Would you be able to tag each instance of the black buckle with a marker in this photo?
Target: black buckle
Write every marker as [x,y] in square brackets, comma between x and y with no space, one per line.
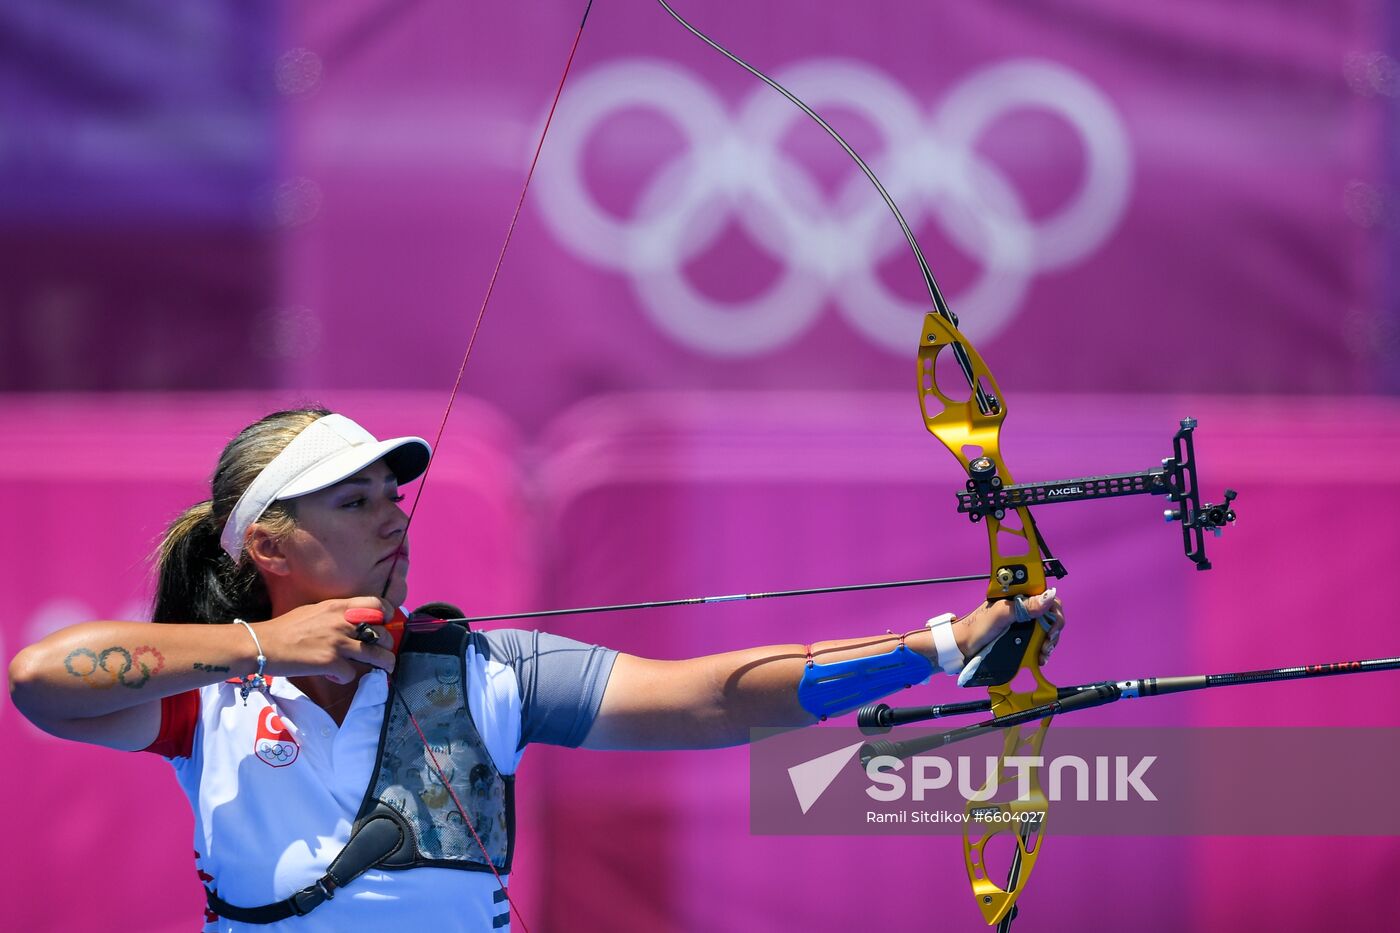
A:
[312,896]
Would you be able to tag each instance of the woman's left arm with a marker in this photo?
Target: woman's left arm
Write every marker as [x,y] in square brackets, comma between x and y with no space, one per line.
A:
[714,701]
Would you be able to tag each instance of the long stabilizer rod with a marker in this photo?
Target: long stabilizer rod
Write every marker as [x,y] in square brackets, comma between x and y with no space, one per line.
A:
[881,718]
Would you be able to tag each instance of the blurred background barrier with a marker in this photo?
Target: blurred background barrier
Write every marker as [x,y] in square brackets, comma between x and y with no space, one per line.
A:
[683,494]
[697,377]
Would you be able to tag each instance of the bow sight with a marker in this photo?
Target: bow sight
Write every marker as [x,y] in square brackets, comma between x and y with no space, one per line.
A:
[987,496]
[1176,479]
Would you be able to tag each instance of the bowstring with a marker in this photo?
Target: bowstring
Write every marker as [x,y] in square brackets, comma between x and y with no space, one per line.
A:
[447,413]
[491,284]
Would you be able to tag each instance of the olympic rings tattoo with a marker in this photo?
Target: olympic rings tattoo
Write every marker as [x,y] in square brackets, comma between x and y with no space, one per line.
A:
[148,660]
[80,653]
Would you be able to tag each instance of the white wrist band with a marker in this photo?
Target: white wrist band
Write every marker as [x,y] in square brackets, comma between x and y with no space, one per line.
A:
[256,679]
[950,658]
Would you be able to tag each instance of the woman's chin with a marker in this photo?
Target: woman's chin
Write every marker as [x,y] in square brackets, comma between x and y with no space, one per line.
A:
[398,589]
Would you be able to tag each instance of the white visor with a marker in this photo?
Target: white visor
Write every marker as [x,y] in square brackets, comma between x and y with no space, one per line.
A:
[328,450]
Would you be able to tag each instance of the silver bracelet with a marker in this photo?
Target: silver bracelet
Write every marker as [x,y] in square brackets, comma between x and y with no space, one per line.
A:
[256,679]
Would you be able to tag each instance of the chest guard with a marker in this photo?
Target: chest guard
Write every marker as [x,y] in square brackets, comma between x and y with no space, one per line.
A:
[407,787]
[408,817]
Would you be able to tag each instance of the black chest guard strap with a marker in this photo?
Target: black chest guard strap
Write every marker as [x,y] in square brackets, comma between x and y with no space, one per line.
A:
[371,842]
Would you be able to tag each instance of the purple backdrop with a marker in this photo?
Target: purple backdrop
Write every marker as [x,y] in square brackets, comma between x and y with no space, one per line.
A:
[696,376]
[1199,197]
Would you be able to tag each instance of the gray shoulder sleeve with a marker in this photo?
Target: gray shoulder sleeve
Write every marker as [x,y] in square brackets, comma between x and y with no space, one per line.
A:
[561,682]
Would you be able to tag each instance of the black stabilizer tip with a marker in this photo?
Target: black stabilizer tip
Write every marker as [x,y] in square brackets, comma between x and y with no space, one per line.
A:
[872,750]
[874,719]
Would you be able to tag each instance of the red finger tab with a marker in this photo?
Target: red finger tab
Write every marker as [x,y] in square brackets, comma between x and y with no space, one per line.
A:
[359,616]
[396,627]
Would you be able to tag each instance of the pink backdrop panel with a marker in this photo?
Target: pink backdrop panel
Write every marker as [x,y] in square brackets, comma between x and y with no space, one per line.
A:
[674,494]
[1323,493]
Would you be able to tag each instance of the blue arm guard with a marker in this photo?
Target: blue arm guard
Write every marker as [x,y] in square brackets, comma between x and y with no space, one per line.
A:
[832,689]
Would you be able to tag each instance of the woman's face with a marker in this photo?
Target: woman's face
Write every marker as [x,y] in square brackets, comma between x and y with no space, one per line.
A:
[347,537]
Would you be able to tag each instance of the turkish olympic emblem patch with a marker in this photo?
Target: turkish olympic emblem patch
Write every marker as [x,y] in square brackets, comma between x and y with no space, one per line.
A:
[274,743]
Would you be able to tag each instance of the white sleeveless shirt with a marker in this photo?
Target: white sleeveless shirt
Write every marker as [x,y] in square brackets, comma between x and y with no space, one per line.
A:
[275,786]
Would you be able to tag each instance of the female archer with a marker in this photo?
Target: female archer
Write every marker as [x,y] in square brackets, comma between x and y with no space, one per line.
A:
[351,768]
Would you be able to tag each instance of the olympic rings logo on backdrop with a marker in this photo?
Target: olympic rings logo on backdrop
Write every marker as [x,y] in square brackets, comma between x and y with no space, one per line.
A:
[829,247]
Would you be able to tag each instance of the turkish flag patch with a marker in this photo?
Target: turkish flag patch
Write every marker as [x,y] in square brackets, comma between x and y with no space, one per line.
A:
[274,743]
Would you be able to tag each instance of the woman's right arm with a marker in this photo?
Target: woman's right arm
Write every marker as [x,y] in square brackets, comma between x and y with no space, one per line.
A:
[102,682]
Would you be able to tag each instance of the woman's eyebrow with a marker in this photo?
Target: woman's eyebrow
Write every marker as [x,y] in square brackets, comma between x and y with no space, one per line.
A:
[366,481]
